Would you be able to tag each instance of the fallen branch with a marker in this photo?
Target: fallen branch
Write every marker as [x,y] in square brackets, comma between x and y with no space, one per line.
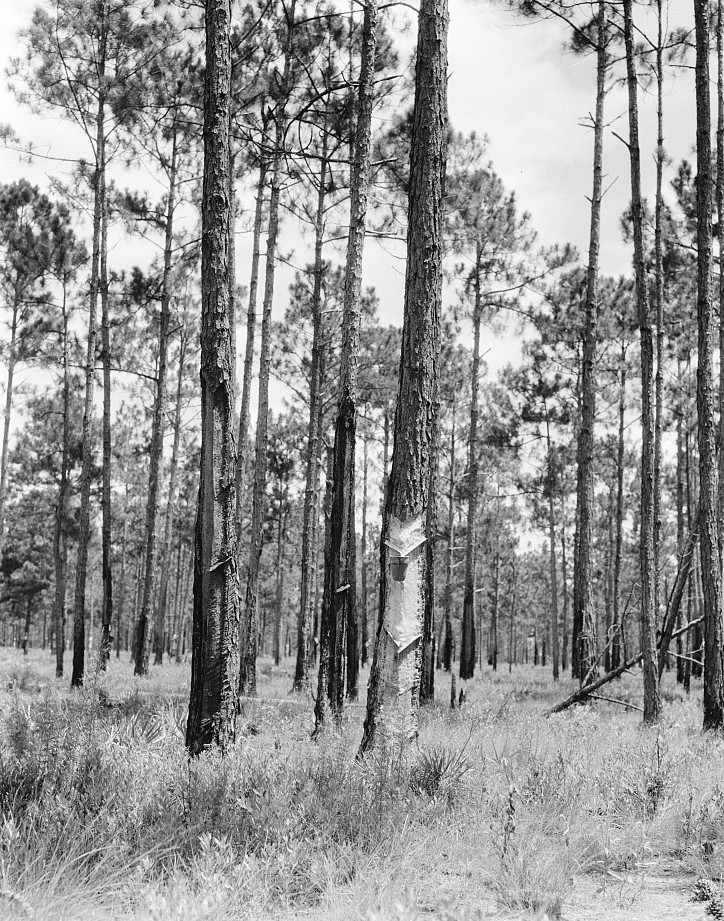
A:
[588,689]
[677,593]
[615,700]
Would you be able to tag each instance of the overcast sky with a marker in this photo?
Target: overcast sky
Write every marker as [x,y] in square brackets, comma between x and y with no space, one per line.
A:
[509,79]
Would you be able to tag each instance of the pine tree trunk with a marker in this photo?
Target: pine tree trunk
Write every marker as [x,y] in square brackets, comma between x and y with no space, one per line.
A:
[247,672]
[311,491]
[156,448]
[12,358]
[338,602]
[584,631]
[60,539]
[279,594]
[680,492]
[659,301]
[106,535]
[172,477]
[618,554]
[243,438]
[552,553]
[467,646]
[364,615]
[720,219]
[120,607]
[393,695]
[449,642]
[652,692]
[99,205]
[215,662]
[705,395]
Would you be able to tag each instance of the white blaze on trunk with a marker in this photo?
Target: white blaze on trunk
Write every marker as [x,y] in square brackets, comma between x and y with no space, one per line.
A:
[402,622]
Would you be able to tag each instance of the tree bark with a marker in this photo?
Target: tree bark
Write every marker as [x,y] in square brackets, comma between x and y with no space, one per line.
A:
[552,554]
[171,499]
[584,638]
[249,349]
[393,695]
[467,645]
[60,539]
[364,613]
[106,535]
[247,672]
[705,396]
[338,602]
[156,448]
[215,662]
[618,554]
[12,358]
[659,301]
[311,491]
[449,641]
[652,691]
[99,198]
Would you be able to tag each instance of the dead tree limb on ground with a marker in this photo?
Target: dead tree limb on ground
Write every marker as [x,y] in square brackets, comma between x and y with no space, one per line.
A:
[589,690]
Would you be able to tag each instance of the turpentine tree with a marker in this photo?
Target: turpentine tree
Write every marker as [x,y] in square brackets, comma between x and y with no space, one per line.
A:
[396,669]
[215,656]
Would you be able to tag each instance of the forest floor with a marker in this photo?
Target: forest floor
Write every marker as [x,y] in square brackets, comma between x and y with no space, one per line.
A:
[497,811]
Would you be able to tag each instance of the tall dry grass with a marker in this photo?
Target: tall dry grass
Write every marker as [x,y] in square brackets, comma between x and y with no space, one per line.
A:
[495,811]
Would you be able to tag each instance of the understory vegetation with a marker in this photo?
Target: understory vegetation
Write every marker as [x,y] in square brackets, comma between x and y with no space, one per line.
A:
[496,811]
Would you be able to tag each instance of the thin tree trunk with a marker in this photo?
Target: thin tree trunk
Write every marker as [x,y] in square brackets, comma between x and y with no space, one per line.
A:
[584,631]
[311,491]
[618,554]
[338,602]
[564,565]
[705,396]
[156,449]
[172,477]
[12,358]
[279,594]
[652,692]
[247,671]
[99,205]
[467,645]
[120,607]
[393,695]
[659,301]
[215,663]
[364,613]
[106,536]
[449,642]
[552,551]
[60,539]
[243,438]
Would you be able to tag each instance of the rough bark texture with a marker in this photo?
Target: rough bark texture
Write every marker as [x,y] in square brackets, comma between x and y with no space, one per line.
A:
[12,358]
[171,499]
[659,301]
[652,692]
[584,631]
[106,523]
[60,542]
[99,194]
[250,637]
[249,350]
[448,648]
[467,644]
[311,490]
[393,695]
[215,654]
[705,394]
[364,607]
[618,552]
[338,602]
[156,448]
[552,554]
